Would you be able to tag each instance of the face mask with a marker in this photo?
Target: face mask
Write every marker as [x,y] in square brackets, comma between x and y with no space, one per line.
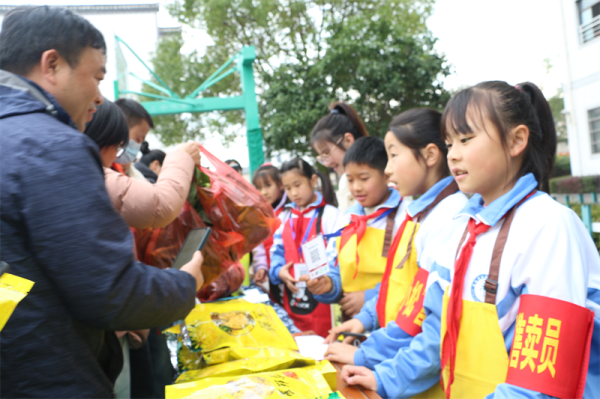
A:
[130,153]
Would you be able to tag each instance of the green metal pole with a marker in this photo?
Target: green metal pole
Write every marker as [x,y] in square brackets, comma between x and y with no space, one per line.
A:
[254,133]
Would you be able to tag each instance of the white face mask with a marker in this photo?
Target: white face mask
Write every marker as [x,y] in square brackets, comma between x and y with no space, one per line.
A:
[130,153]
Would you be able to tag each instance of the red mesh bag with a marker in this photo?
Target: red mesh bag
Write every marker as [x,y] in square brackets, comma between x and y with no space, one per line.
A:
[240,220]
[228,282]
[159,247]
[234,206]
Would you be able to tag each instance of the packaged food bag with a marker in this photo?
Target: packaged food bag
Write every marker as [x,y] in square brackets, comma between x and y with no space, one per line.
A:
[246,366]
[190,360]
[236,323]
[12,290]
[294,384]
[234,206]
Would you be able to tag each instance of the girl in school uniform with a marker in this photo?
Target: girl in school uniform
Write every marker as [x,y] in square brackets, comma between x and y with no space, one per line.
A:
[308,217]
[519,280]
[267,180]
[331,137]
[417,166]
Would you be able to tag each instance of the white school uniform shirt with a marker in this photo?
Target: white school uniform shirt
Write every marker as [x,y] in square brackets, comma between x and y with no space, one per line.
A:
[548,252]
[328,223]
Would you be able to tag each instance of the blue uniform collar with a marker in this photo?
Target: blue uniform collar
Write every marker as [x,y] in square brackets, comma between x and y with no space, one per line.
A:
[495,211]
[393,201]
[417,206]
[316,203]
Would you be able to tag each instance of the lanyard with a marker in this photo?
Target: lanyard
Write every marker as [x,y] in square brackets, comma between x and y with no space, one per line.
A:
[307,232]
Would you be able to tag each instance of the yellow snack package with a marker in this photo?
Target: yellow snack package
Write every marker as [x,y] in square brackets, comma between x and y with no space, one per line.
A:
[12,290]
[245,366]
[294,384]
[328,372]
[229,354]
[189,360]
[236,323]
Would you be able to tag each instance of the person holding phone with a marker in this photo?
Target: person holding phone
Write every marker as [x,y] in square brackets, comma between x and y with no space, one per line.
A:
[58,227]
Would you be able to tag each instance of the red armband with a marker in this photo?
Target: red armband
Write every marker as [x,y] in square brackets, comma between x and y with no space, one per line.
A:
[551,347]
[411,315]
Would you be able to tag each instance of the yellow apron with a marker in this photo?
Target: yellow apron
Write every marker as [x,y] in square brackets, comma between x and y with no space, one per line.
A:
[372,262]
[481,356]
[401,279]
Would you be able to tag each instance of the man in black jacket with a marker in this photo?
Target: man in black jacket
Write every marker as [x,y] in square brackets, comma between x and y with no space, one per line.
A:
[57,225]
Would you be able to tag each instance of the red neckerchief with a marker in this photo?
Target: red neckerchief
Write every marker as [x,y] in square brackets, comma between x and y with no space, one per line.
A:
[358,226]
[117,167]
[455,305]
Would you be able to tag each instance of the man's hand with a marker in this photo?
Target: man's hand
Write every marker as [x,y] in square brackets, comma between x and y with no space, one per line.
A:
[357,375]
[352,303]
[287,278]
[260,276]
[193,150]
[341,353]
[318,286]
[353,326]
[194,267]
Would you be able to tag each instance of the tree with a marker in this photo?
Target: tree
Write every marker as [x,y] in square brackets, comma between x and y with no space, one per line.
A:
[376,54]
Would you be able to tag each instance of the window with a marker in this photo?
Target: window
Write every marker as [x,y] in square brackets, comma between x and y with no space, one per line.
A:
[594,118]
[589,19]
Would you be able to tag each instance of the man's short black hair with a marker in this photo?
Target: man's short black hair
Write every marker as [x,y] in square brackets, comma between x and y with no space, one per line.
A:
[368,151]
[134,112]
[27,32]
[108,127]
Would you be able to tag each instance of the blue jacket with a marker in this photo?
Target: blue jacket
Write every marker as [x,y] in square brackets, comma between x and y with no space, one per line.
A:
[59,230]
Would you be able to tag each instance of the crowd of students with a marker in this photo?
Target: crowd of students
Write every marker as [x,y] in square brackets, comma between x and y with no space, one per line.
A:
[463,296]
[441,241]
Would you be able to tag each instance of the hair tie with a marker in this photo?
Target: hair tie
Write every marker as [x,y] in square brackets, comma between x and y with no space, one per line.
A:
[267,164]
[518,87]
[334,111]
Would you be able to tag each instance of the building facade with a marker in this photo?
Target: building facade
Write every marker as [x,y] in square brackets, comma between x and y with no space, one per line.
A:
[581,85]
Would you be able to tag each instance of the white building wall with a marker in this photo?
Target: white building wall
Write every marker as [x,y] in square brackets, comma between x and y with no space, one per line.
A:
[581,88]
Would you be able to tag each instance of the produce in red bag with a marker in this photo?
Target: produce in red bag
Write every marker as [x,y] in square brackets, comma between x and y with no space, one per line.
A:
[233,205]
[228,282]
[159,247]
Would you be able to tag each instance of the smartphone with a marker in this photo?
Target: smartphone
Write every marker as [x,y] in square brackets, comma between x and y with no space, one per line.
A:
[195,241]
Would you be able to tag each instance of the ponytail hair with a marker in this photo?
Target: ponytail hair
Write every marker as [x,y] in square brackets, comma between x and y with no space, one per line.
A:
[419,127]
[341,119]
[308,171]
[506,107]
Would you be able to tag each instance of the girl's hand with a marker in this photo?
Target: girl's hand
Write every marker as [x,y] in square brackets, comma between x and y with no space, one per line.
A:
[318,286]
[287,278]
[341,353]
[260,276]
[358,375]
[352,303]
[353,326]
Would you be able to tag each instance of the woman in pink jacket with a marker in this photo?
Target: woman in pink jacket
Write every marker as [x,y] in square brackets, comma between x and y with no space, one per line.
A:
[142,205]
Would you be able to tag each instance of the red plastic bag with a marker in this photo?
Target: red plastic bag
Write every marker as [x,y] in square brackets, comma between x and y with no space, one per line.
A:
[159,247]
[227,283]
[235,207]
